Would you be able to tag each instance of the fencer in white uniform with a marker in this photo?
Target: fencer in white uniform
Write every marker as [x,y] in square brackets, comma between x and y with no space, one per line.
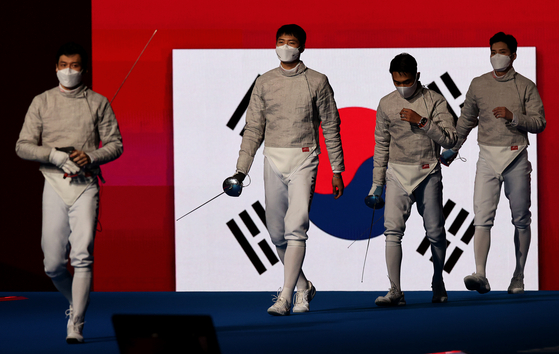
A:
[62,130]
[412,124]
[287,106]
[507,106]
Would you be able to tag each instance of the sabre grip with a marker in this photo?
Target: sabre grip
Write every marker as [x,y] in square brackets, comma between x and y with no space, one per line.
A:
[375,201]
[67,149]
[233,186]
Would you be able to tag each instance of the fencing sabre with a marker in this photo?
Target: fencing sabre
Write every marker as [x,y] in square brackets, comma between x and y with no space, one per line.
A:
[374,202]
[368,242]
[201,205]
[231,186]
[116,93]
[373,222]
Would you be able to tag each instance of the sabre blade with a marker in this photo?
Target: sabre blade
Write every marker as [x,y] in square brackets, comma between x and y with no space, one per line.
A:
[198,207]
[139,56]
[368,242]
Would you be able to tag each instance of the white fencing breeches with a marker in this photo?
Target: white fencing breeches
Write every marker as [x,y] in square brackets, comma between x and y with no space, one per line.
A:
[68,230]
[288,200]
[487,191]
[428,198]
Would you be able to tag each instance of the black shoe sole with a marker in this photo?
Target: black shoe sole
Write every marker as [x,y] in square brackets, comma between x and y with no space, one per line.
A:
[73,341]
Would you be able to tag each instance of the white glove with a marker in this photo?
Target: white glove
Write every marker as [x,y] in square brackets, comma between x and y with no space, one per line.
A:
[70,167]
[62,160]
[58,158]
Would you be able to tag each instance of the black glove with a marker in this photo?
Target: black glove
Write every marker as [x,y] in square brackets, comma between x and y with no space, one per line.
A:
[239,177]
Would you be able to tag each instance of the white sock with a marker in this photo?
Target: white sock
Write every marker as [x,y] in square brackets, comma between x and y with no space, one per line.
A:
[293,262]
[63,283]
[394,264]
[522,238]
[393,254]
[302,282]
[80,291]
[482,243]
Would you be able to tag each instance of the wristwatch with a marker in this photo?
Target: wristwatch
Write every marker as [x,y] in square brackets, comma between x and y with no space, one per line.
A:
[422,122]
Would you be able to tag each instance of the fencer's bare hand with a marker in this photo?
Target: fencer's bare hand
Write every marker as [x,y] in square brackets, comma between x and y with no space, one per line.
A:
[409,115]
[80,158]
[337,185]
[503,112]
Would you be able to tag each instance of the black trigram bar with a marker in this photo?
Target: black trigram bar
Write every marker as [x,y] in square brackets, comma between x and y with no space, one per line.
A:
[251,226]
[451,262]
[423,246]
[433,86]
[462,215]
[450,85]
[268,252]
[238,114]
[448,206]
[246,246]
[259,209]
[469,233]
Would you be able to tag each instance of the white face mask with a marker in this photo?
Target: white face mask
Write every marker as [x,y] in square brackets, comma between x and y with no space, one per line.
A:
[407,92]
[500,62]
[287,54]
[69,78]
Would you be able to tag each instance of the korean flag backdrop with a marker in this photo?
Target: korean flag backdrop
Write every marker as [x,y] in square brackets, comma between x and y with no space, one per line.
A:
[136,250]
[224,246]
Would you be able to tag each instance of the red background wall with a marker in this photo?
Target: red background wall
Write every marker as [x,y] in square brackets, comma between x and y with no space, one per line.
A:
[138,201]
[135,250]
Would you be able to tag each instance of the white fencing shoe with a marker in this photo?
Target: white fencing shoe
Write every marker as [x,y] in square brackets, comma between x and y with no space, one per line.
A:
[394,297]
[303,297]
[281,307]
[516,285]
[74,328]
[478,283]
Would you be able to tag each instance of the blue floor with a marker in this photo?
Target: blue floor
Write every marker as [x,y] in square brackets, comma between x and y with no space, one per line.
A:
[339,322]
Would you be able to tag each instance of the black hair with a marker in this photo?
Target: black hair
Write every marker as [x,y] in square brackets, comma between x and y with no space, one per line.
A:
[403,63]
[293,30]
[508,39]
[70,49]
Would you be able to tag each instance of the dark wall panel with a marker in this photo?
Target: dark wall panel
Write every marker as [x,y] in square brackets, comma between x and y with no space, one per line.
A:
[32,32]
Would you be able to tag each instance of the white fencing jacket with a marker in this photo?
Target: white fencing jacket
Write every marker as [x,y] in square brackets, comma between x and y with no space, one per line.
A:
[285,111]
[412,151]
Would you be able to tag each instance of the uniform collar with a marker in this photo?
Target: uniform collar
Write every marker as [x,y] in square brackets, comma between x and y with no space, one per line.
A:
[508,76]
[75,93]
[300,69]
